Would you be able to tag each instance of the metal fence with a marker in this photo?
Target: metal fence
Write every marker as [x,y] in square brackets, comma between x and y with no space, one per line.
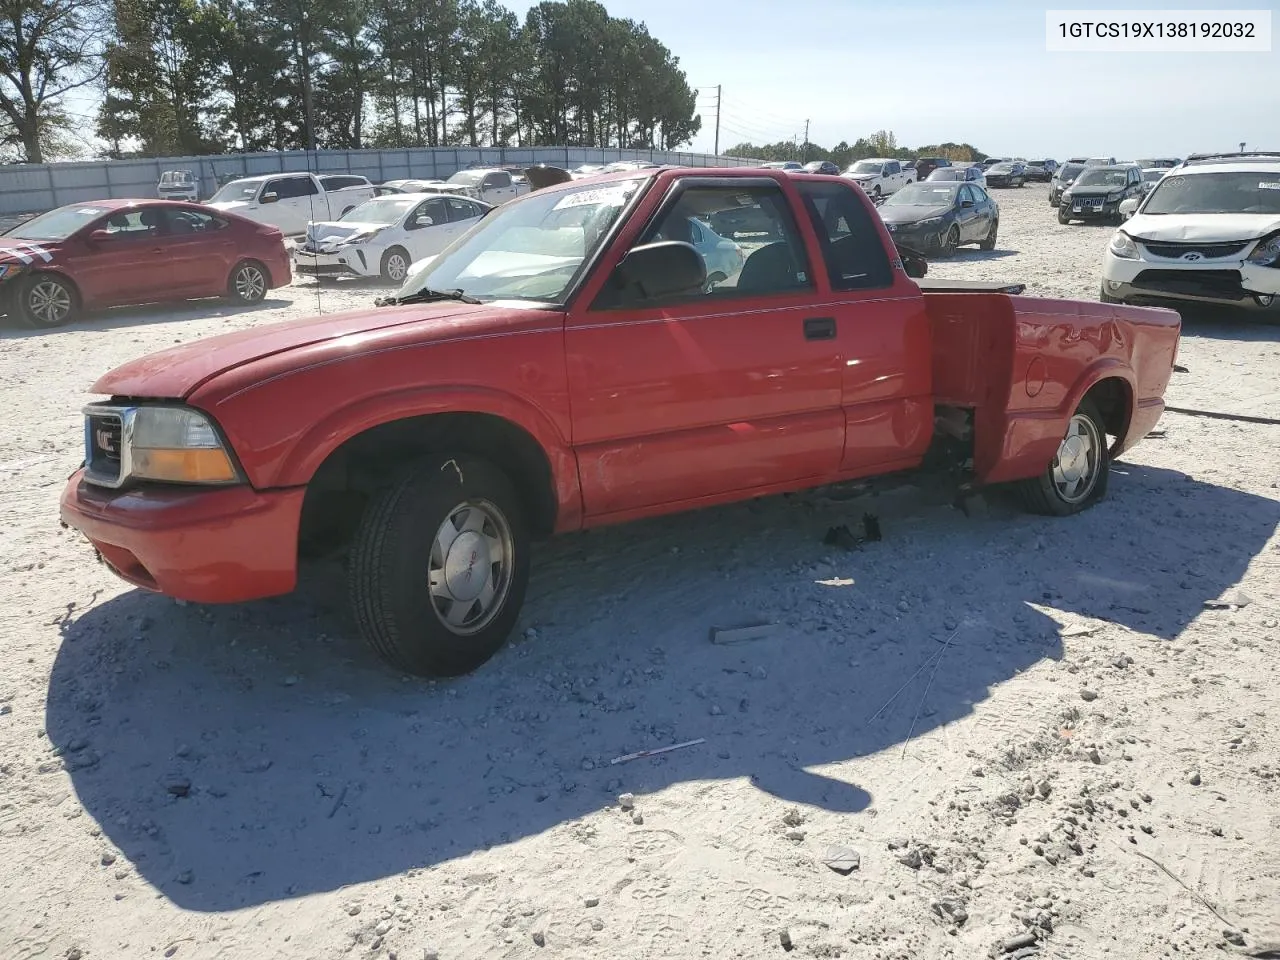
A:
[30,188]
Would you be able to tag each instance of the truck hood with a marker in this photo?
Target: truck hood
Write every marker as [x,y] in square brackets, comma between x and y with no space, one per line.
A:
[1201,227]
[177,372]
[229,204]
[26,252]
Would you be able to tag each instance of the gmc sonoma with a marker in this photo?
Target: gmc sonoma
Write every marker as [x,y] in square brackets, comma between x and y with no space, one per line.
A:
[567,363]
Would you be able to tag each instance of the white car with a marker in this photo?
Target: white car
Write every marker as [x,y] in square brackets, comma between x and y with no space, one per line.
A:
[1209,232]
[880,177]
[1150,177]
[382,237]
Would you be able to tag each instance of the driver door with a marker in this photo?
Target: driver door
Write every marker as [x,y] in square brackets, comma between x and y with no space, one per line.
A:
[733,388]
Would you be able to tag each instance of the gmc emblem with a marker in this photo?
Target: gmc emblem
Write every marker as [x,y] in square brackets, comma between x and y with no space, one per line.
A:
[104,440]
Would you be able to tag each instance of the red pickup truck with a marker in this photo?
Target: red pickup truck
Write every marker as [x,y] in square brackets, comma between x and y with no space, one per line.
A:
[571,361]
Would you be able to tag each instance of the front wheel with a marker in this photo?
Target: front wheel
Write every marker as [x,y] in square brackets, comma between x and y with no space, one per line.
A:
[951,242]
[46,300]
[439,567]
[1062,216]
[1077,477]
[395,265]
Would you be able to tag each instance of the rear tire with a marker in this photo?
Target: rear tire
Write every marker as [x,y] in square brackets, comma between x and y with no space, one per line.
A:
[990,242]
[439,567]
[45,300]
[248,283]
[1077,477]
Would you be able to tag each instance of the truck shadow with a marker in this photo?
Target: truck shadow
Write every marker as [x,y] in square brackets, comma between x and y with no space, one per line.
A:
[244,755]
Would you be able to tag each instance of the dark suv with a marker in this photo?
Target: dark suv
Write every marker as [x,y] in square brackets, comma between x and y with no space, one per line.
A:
[1063,178]
[926,166]
[1098,192]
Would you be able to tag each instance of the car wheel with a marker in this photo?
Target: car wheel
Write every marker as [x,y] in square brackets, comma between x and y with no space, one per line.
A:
[46,300]
[248,283]
[1062,216]
[1077,477]
[395,265]
[951,242]
[439,567]
[989,242]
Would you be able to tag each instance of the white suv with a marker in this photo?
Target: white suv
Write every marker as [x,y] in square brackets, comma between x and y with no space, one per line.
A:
[1208,231]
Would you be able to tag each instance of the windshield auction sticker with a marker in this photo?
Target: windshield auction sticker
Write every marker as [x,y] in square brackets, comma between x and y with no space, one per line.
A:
[1158,31]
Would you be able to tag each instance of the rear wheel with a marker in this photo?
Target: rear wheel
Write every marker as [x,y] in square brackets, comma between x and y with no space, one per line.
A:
[439,567]
[395,265]
[46,300]
[248,283]
[1077,477]
[989,242]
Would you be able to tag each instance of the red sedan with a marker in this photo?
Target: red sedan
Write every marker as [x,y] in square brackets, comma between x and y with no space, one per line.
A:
[113,252]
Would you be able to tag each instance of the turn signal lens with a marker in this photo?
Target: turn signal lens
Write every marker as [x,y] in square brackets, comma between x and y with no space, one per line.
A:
[183,466]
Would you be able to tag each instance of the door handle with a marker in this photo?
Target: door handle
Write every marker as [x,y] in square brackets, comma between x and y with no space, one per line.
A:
[820,328]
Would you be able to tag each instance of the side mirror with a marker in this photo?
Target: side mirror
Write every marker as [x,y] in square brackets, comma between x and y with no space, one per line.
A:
[655,271]
[101,236]
[966,203]
[269,198]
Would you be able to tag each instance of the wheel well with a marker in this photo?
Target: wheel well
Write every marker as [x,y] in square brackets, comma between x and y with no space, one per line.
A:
[339,490]
[1114,400]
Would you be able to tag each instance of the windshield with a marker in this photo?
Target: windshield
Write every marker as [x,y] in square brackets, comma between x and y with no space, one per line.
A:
[56,224]
[1151,176]
[531,249]
[927,194]
[1070,171]
[468,178]
[381,210]
[237,190]
[866,166]
[170,177]
[1096,177]
[945,173]
[1000,168]
[1248,192]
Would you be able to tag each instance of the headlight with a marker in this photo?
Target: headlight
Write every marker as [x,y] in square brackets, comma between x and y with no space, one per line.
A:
[8,270]
[931,222]
[1267,252]
[1113,197]
[1122,246]
[360,237]
[167,444]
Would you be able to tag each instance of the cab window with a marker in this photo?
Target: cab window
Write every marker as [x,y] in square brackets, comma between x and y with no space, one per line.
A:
[851,246]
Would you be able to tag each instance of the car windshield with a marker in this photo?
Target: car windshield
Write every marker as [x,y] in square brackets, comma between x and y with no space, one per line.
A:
[945,173]
[924,195]
[237,190]
[866,166]
[1001,168]
[1242,192]
[57,224]
[1070,171]
[531,249]
[1099,177]
[172,177]
[468,178]
[1151,176]
[382,210]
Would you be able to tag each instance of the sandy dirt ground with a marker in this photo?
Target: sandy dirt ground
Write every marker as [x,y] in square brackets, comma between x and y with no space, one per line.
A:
[1036,737]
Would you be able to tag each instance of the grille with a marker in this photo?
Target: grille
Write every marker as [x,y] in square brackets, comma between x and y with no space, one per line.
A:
[1210,251]
[104,435]
[1219,284]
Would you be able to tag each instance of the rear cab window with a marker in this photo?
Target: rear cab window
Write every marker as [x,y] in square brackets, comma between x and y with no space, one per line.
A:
[851,245]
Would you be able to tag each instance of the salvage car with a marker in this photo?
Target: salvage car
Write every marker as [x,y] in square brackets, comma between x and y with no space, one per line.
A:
[1098,192]
[381,237]
[178,185]
[1209,231]
[935,217]
[559,368]
[109,253]
[926,165]
[879,177]
[493,186]
[290,200]
[824,167]
[1041,171]
[973,174]
[1013,174]
[1065,176]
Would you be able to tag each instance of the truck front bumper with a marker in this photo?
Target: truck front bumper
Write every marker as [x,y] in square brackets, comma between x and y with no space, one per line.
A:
[202,544]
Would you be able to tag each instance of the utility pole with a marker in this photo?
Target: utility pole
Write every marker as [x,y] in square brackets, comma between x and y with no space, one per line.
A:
[717,148]
[806,142]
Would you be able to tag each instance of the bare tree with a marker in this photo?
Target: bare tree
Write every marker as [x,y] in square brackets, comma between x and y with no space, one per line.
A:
[47,49]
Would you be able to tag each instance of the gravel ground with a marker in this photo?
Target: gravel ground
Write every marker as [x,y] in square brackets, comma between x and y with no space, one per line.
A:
[1081,760]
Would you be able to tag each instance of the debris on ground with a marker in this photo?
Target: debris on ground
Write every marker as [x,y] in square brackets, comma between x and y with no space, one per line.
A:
[731,635]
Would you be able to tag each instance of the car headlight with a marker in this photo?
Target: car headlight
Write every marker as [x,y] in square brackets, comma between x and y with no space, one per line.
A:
[168,444]
[1122,246]
[1267,252]
[359,237]
[931,222]
[1113,197]
[8,270]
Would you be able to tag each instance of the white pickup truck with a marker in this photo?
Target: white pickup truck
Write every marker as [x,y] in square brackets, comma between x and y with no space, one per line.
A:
[880,176]
[491,185]
[291,200]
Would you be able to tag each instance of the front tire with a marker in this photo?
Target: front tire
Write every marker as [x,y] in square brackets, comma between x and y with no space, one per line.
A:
[1062,216]
[248,283]
[439,567]
[952,241]
[1077,477]
[395,265]
[46,300]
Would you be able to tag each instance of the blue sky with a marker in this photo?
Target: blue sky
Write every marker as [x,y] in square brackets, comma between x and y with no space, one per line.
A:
[974,72]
